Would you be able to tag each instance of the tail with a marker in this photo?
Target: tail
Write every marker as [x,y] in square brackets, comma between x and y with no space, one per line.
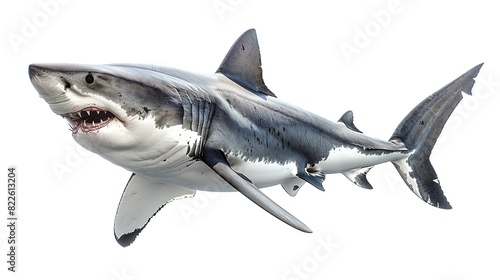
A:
[419,131]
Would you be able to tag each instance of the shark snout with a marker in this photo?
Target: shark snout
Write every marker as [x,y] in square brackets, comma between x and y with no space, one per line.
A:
[34,70]
[38,71]
[40,77]
[51,85]
[47,79]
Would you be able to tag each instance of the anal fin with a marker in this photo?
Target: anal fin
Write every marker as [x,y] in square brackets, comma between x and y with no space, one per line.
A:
[358,177]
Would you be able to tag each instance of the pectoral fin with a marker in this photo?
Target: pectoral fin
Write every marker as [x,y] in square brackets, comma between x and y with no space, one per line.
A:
[217,161]
[140,201]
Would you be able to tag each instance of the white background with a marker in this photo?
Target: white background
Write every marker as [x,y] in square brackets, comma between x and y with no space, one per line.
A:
[402,51]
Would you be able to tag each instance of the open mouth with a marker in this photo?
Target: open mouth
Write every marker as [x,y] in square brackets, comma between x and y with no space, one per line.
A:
[88,119]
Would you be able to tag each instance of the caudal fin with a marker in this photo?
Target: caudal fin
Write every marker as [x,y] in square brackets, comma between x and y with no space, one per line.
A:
[419,131]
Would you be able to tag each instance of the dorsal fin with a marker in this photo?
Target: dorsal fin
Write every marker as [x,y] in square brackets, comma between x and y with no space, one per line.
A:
[242,64]
[348,120]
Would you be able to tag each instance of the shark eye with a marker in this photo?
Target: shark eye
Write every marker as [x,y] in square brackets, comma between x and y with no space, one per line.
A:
[89,78]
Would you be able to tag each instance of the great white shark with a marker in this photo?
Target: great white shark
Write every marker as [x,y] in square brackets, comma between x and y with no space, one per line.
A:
[178,132]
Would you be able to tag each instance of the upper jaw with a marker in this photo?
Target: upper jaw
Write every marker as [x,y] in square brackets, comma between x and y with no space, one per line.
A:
[68,101]
[88,119]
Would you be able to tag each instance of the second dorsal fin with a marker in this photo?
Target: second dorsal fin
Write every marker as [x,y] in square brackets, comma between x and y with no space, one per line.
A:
[242,64]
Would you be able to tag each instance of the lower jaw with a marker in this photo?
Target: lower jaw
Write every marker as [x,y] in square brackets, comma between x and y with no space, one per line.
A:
[90,128]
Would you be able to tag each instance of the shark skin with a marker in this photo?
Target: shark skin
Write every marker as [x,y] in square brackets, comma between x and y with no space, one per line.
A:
[178,132]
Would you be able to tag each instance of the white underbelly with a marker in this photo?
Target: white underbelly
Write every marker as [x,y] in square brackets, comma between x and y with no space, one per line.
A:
[264,174]
[197,175]
[340,160]
[343,159]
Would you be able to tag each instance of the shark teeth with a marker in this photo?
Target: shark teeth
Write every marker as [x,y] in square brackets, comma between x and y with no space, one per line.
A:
[88,119]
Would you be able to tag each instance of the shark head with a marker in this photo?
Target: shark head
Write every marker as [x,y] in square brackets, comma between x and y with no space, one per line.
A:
[170,127]
[109,109]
